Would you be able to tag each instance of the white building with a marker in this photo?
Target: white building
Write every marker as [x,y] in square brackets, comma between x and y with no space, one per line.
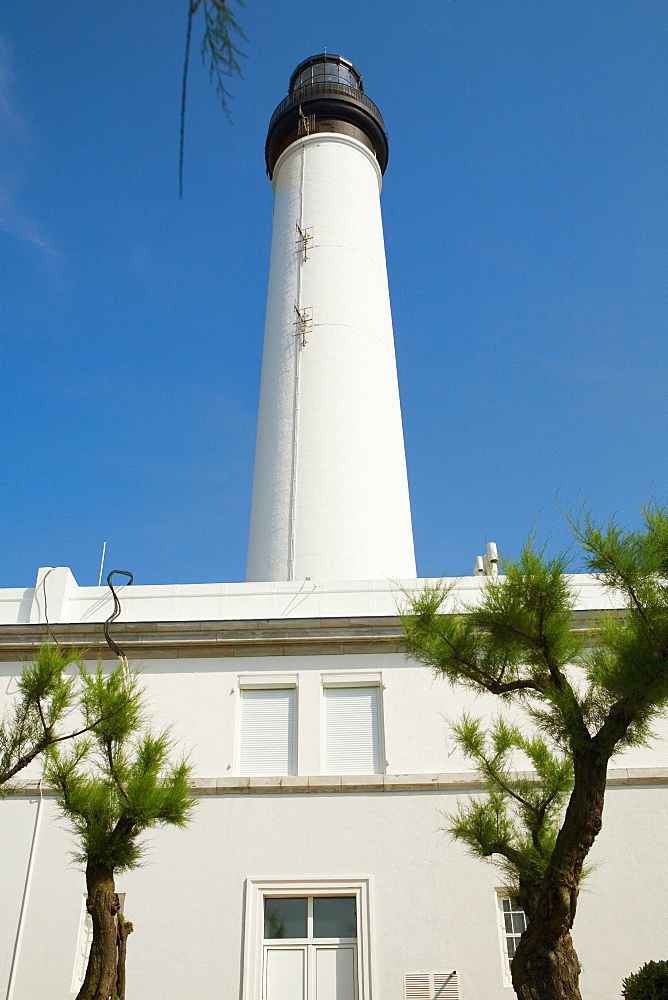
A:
[315,867]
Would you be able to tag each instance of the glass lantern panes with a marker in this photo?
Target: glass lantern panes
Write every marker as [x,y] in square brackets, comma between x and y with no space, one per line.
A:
[345,76]
[326,72]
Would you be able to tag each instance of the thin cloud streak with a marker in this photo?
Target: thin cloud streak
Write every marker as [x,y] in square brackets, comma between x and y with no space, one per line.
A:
[15,223]
[13,220]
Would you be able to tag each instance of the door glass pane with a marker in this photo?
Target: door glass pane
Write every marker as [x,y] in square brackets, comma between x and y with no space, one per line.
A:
[334,917]
[285,917]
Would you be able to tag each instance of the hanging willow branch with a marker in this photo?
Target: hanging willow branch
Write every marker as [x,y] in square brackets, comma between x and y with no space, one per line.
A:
[218,50]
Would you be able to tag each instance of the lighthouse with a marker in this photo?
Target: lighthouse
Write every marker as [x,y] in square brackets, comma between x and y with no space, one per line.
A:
[330,490]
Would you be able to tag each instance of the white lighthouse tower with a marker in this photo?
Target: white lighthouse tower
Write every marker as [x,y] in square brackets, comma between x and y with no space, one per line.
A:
[330,491]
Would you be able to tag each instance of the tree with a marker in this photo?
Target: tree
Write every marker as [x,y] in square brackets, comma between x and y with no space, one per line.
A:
[113,785]
[649,983]
[44,697]
[584,705]
[218,49]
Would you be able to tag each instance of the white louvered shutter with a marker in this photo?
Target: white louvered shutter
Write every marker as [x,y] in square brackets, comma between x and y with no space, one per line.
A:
[268,731]
[431,986]
[445,986]
[417,986]
[353,731]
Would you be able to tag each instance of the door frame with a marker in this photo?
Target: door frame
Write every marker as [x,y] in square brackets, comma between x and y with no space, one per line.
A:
[253,938]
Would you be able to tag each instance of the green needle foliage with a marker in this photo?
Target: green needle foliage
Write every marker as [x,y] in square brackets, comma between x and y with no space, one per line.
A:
[649,983]
[586,698]
[35,720]
[219,52]
[517,824]
[218,47]
[113,785]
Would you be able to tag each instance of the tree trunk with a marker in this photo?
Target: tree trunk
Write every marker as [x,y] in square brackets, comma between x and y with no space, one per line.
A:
[123,929]
[545,965]
[102,904]
[544,972]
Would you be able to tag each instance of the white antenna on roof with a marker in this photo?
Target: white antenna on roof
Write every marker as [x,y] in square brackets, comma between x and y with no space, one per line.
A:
[104,549]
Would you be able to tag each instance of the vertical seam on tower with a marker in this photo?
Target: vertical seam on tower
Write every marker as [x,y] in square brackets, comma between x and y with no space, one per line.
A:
[295,403]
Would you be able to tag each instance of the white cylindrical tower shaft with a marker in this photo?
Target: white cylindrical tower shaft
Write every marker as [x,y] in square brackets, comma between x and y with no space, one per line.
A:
[330,493]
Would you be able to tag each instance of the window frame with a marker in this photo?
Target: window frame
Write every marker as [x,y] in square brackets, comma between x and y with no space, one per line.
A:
[312,937]
[266,682]
[256,890]
[500,895]
[366,679]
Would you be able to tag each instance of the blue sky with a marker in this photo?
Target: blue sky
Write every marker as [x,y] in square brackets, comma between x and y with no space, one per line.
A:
[525,208]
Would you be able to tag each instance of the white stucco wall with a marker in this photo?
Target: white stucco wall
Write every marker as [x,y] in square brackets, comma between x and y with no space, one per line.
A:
[66,601]
[200,698]
[433,908]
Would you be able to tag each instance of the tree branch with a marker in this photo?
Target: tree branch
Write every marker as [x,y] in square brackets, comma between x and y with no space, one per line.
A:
[48,740]
[112,771]
[79,732]
[23,761]
[487,681]
[505,850]
[41,715]
[640,608]
[192,10]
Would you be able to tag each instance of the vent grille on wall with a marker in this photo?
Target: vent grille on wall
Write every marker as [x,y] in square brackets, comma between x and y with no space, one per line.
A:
[431,986]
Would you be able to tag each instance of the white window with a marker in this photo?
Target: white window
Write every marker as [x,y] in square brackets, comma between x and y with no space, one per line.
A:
[307,940]
[512,924]
[352,739]
[84,940]
[267,731]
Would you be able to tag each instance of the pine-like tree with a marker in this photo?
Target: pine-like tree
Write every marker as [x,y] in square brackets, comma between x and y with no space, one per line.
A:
[113,785]
[45,696]
[585,703]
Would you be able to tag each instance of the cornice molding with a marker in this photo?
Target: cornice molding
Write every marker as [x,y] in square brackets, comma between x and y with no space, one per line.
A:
[253,637]
[166,640]
[302,784]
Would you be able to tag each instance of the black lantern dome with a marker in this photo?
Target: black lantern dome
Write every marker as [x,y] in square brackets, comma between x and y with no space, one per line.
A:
[326,94]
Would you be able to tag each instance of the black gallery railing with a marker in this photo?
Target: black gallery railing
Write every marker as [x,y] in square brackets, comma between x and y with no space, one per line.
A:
[318,89]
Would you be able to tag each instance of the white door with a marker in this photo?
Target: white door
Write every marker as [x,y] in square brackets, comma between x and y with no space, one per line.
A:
[310,972]
[284,974]
[335,970]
